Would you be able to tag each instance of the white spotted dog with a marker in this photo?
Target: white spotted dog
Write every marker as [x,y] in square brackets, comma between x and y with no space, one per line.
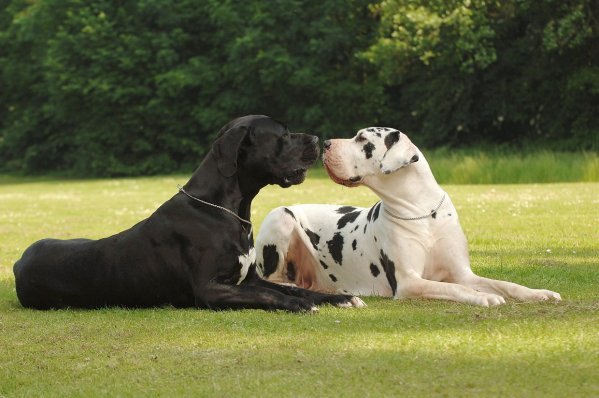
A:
[408,245]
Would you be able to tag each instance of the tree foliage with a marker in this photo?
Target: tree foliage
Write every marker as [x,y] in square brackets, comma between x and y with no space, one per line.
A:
[464,72]
[140,87]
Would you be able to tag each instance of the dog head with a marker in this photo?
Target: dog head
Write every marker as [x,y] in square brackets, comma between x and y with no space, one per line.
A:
[373,151]
[263,150]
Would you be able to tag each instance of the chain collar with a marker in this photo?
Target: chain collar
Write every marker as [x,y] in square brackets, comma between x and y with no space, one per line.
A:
[220,208]
[432,214]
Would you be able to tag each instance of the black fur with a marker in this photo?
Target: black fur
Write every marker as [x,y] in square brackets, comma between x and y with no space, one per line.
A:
[335,246]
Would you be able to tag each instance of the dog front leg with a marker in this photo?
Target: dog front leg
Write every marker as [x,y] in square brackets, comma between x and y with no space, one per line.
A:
[415,287]
[219,296]
[318,298]
[508,289]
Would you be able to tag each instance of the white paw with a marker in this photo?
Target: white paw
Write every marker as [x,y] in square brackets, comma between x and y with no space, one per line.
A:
[489,299]
[313,310]
[358,302]
[544,295]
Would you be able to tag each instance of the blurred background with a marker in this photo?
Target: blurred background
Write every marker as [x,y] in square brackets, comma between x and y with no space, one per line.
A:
[140,87]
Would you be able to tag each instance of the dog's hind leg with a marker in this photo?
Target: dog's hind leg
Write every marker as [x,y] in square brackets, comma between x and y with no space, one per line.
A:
[273,242]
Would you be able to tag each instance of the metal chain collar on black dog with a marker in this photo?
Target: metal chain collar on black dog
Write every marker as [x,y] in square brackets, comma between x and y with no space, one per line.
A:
[432,214]
[218,207]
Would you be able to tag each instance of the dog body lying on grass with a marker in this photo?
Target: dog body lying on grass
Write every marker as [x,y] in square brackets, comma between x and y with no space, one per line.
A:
[410,244]
[196,250]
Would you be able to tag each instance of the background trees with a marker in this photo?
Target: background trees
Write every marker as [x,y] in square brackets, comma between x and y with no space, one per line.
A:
[140,87]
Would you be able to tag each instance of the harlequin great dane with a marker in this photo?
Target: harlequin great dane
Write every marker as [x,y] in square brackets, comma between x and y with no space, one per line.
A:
[196,250]
[410,244]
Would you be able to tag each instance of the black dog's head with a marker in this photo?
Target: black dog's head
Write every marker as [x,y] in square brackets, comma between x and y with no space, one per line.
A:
[263,150]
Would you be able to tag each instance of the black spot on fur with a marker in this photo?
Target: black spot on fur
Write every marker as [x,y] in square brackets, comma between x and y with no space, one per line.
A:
[369,215]
[378,134]
[347,218]
[434,215]
[289,212]
[354,244]
[271,259]
[374,270]
[365,225]
[391,139]
[368,148]
[324,264]
[291,271]
[314,238]
[370,130]
[375,239]
[333,278]
[389,267]
[335,246]
[377,208]
[345,209]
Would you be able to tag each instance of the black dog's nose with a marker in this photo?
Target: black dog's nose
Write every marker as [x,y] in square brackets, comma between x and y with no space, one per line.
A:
[327,144]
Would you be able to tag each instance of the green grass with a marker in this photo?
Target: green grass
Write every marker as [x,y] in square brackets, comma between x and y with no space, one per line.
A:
[538,235]
[501,167]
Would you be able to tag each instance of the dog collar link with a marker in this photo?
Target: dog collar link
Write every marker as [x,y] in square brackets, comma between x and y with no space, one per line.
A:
[432,214]
[218,207]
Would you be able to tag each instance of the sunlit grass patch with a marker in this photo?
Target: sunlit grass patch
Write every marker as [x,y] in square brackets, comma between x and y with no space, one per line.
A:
[503,167]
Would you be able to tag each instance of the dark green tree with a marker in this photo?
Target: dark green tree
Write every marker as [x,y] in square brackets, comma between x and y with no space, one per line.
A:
[464,72]
[140,87]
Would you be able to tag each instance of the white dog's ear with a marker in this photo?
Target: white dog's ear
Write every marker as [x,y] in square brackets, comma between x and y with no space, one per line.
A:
[400,152]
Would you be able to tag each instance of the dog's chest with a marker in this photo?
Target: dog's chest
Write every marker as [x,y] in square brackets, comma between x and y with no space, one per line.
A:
[245,260]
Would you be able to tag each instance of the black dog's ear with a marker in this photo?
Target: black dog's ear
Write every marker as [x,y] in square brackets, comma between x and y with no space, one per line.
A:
[226,149]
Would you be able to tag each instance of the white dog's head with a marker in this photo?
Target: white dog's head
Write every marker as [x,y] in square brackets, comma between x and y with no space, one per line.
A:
[373,151]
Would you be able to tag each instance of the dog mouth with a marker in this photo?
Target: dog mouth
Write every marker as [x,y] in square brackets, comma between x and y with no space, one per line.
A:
[351,182]
[297,176]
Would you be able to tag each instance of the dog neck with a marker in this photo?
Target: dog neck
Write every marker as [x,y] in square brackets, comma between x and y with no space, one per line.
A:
[208,184]
[410,191]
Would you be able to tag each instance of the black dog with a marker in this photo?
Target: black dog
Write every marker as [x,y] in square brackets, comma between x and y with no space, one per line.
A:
[191,251]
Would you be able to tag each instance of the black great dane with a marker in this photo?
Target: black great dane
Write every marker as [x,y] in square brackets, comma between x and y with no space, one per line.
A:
[196,250]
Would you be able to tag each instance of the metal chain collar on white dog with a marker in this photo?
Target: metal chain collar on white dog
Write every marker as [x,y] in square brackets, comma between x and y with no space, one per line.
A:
[218,207]
[433,212]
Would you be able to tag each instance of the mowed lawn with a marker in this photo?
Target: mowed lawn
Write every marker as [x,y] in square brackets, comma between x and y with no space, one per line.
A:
[544,236]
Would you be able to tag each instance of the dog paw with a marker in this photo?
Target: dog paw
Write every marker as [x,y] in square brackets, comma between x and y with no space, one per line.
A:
[301,305]
[489,299]
[544,295]
[357,302]
[352,302]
